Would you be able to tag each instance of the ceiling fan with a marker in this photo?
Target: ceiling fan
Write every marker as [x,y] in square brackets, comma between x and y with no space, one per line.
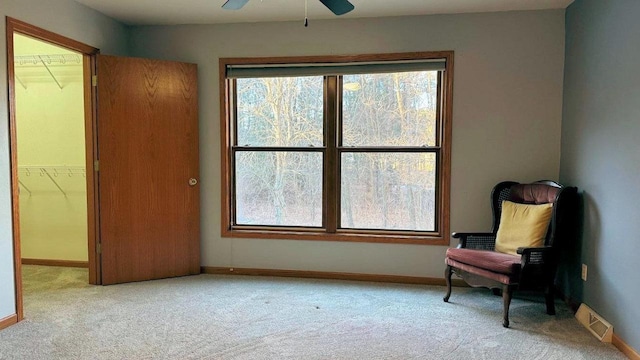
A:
[338,7]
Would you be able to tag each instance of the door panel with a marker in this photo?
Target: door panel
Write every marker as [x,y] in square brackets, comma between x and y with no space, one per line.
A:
[148,151]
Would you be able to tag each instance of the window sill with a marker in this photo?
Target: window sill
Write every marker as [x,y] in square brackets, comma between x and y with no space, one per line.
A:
[341,236]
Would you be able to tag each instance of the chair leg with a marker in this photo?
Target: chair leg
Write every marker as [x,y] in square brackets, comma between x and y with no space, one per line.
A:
[447,277]
[549,297]
[507,292]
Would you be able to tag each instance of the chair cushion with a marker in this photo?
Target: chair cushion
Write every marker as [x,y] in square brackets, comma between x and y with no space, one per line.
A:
[501,278]
[488,260]
[522,225]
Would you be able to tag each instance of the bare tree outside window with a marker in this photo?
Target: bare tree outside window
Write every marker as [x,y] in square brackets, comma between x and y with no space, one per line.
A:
[397,109]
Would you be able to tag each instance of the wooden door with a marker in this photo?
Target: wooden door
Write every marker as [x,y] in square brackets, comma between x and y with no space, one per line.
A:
[147,121]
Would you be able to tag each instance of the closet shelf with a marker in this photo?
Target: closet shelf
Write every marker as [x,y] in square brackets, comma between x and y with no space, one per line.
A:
[51,59]
[51,172]
[47,62]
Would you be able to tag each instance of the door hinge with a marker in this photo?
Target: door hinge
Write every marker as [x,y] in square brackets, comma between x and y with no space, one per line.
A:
[96,165]
[99,248]
[94,80]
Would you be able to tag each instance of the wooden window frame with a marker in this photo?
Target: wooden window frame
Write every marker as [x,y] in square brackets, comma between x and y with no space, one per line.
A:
[331,150]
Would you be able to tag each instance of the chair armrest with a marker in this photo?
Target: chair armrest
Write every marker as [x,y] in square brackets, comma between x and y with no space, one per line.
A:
[535,255]
[538,266]
[480,241]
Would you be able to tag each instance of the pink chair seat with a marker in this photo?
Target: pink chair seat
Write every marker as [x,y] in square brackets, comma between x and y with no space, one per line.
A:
[488,260]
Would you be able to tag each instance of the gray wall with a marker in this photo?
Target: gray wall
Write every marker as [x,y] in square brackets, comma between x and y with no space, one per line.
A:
[506,117]
[67,18]
[601,155]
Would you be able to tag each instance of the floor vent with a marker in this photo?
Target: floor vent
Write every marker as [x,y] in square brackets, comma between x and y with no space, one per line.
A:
[598,326]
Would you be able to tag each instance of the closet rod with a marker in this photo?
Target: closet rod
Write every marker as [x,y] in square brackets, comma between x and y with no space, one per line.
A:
[53,76]
[51,172]
[53,169]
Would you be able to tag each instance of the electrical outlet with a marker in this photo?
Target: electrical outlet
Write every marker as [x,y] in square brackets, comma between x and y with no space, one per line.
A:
[584,272]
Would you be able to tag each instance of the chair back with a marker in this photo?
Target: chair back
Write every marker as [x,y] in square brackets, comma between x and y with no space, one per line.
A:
[564,199]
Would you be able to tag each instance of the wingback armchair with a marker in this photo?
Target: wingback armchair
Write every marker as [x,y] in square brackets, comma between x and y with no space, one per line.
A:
[530,222]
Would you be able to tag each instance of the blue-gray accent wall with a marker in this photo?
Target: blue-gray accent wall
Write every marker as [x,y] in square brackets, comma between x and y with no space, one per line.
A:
[601,155]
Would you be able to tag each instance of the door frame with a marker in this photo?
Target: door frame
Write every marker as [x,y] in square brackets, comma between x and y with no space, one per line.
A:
[88,55]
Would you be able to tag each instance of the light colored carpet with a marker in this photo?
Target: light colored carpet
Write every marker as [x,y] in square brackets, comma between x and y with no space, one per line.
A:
[241,317]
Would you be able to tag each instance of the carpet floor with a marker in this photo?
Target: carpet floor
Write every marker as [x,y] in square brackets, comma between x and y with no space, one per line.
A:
[243,317]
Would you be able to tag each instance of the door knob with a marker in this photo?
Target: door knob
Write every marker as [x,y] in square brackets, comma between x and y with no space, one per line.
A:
[193,182]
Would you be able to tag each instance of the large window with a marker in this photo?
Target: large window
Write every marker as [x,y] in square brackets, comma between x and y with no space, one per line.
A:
[337,148]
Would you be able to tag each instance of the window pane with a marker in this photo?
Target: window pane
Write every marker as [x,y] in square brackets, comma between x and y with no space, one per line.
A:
[389,191]
[279,188]
[280,111]
[397,109]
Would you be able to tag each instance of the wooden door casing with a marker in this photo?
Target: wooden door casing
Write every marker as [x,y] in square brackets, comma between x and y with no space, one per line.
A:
[148,150]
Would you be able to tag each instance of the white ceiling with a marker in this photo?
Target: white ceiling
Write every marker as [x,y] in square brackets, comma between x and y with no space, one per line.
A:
[171,12]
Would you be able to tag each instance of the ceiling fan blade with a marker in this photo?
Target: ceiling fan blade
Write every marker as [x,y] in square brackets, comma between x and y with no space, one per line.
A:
[234,4]
[338,7]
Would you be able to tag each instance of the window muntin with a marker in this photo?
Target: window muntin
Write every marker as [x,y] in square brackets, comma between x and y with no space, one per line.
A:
[423,154]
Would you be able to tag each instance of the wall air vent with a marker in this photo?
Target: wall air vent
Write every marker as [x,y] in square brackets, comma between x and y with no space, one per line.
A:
[599,327]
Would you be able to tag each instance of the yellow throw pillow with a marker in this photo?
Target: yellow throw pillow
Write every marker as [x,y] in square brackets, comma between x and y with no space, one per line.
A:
[522,225]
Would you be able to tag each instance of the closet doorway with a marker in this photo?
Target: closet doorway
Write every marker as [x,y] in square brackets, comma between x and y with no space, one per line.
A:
[52,154]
